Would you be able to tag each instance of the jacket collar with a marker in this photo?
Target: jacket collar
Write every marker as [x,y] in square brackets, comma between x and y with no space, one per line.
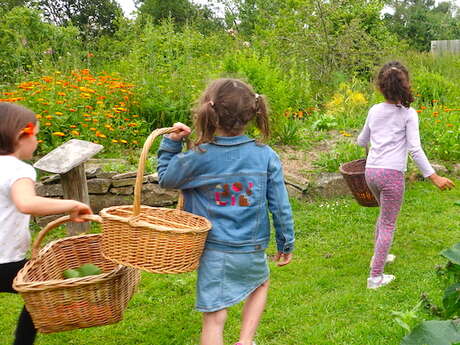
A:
[231,141]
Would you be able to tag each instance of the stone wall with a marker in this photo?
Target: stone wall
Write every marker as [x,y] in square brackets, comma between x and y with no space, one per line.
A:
[110,189]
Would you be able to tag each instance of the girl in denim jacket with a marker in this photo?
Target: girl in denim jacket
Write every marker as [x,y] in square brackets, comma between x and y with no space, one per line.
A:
[233,181]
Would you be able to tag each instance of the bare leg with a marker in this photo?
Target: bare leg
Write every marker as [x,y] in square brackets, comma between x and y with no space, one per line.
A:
[252,311]
[213,327]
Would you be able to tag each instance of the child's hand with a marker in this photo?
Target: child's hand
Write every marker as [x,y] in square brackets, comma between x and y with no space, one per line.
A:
[442,183]
[283,259]
[79,210]
[182,131]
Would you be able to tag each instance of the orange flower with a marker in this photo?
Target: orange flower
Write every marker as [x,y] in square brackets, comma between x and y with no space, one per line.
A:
[77,133]
[73,126]
[48,124]
[419,111]
[72,110]
[28,129]
[58,134]
[423,107]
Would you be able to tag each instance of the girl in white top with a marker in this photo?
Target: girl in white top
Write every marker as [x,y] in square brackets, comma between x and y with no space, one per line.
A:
[392,130]
[18,141]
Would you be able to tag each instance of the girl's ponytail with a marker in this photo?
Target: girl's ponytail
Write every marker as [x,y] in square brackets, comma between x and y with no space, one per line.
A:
[206,122]
[393,82]
[262,121]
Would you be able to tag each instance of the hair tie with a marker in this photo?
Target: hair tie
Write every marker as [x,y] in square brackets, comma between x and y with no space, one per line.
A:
[28,129]
[394,68]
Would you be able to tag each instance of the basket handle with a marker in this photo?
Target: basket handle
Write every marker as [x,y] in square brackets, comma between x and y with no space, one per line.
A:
[55,223]
[141,168]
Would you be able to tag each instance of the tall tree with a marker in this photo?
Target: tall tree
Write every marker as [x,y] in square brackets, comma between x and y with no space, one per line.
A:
[181,11]
[92,17]
[421,21]
[7,5]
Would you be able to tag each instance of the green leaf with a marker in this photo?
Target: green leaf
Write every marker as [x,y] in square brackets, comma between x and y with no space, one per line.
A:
[451,300]
[453,253]
[457,203]
[433,333]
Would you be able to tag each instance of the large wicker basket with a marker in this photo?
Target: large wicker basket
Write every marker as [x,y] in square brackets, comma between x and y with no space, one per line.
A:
[157,240]
[58,304]
[353,173]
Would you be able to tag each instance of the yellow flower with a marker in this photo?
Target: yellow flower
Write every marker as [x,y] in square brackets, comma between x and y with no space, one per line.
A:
[114,141]
[58,134]
[75,132]
[123,141]
[58,113]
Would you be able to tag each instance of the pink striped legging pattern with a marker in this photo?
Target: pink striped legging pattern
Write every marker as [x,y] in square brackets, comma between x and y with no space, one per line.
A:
[387,185]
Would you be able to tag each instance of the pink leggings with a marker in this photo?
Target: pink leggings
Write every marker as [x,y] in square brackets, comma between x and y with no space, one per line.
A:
[387,185]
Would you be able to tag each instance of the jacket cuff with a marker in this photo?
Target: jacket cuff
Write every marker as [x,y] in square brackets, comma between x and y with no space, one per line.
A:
[170,145]
[285,248]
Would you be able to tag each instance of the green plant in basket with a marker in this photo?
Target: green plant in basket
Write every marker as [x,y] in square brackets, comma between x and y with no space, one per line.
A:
[82,271]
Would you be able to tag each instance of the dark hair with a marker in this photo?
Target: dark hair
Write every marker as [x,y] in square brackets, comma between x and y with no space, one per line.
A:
[393,82]
[229,104]
[13,118]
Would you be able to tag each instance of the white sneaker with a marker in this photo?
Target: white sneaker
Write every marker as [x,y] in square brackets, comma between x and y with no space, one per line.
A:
[390,258]
[379,281]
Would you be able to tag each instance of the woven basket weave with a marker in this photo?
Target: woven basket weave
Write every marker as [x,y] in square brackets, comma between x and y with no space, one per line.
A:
[353,173]
[157,240]
[56,304]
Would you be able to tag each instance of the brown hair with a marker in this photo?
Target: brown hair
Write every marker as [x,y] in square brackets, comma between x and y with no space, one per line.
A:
[13,118]
[393,82]
[229,104]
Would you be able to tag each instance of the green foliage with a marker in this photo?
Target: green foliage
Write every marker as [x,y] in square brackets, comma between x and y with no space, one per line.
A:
[93,18]
[408,319]
[182,12]
[451,301]
[421,21]
[343,152]
[324,122]
[434,333]
[29,45]
[434,86]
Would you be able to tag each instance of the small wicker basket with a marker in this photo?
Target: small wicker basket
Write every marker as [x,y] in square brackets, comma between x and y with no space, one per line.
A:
[157,240]
[56,304]
[353,173]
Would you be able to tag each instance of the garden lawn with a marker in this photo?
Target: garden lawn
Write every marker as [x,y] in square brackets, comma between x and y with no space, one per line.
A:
[319,299]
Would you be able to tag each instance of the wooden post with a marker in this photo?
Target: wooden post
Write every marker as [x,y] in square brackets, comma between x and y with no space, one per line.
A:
[75,187]
[68,160]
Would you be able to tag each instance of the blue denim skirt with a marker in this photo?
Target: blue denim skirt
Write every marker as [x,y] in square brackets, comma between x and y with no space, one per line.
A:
[225,279]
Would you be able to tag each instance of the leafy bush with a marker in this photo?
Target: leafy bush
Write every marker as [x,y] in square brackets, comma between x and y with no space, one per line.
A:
[32,46]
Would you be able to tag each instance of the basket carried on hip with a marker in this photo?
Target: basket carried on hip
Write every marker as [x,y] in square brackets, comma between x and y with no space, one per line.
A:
[157,240]
[353,173]
[56,304]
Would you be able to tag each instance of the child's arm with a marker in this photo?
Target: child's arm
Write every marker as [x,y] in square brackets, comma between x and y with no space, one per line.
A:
[171,173]
[442,183]
[365,136]
[27,202]
[278,203]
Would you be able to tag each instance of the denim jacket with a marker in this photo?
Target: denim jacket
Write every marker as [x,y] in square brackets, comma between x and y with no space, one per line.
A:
[231,183]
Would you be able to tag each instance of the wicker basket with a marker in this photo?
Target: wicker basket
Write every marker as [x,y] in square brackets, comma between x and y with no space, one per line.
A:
[59,305]
[353,173]
[157,240]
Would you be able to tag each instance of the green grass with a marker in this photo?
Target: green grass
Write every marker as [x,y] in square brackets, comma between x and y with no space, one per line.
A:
[319,299]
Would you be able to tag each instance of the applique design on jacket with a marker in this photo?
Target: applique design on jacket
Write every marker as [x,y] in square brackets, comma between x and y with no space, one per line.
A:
[230,194]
